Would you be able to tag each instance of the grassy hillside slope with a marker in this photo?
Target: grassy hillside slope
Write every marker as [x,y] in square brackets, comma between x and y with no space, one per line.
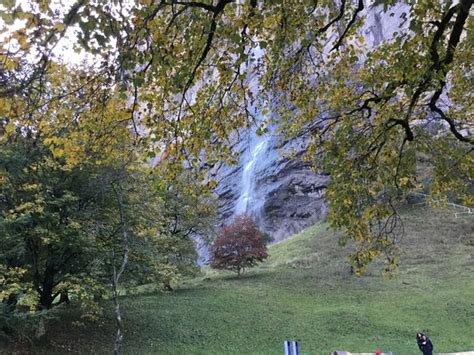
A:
[305,292]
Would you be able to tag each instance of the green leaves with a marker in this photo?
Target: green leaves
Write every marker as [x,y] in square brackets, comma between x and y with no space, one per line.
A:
[9,4]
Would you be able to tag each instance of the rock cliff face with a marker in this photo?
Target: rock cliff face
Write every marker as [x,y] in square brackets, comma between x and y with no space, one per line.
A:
[284,195]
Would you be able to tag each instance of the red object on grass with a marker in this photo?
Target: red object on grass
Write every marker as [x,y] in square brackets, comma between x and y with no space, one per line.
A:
[378,352]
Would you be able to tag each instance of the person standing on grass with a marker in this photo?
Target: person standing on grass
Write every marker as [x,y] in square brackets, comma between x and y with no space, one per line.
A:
[424,343]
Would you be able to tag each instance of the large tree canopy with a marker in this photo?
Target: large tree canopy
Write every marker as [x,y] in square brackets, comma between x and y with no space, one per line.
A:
[185,75]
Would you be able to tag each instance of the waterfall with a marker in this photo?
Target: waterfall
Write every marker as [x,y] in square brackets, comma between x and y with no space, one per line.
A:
[254,158]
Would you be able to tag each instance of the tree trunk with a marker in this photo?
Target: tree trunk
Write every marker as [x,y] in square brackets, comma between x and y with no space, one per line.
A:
[118,273]
[46,298]
[47,287]
[64,297]
[40,329]
[167,285]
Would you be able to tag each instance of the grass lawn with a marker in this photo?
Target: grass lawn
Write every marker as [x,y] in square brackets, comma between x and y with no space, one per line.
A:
[305,292]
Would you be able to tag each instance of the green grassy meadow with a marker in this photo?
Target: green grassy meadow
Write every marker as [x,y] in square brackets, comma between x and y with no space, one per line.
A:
[304,291]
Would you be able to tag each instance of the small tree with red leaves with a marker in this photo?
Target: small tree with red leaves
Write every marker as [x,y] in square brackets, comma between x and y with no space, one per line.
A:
[239,245]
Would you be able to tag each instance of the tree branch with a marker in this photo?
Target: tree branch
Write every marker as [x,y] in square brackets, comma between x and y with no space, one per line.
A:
[360,7]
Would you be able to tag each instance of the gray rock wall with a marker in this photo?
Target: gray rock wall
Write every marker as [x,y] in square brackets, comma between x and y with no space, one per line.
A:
[282,194]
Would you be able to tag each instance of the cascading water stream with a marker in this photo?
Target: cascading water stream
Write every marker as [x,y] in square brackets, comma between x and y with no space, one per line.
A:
[249,202]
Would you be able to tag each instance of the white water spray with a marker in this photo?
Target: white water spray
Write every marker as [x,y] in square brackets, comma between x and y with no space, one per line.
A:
[249,202]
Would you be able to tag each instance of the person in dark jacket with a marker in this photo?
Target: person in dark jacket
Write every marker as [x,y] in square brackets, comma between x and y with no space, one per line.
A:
[424,343]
